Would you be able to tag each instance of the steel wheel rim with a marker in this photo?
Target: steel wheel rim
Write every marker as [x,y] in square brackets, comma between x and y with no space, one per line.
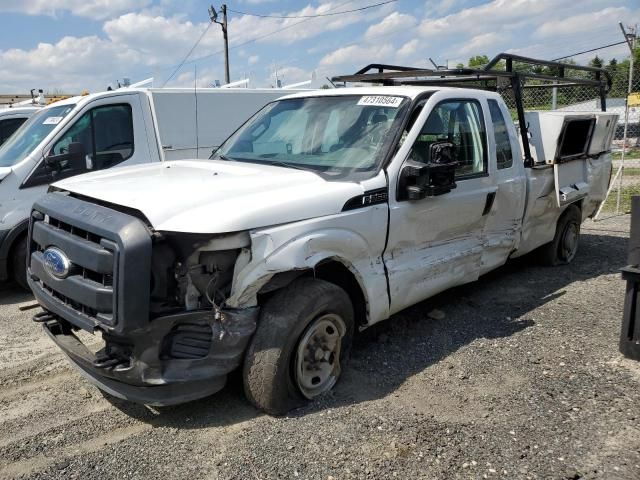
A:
[569,245]
[317,363]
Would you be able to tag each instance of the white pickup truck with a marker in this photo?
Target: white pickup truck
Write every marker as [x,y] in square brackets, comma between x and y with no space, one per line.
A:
[325,213]
[109,129]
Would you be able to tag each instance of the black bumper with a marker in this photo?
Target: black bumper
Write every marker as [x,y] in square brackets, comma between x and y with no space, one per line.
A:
[155,366]
[166,360]
[159,395]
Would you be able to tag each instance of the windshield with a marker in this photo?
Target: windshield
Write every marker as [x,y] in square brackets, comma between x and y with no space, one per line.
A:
[31,133]
[340,137]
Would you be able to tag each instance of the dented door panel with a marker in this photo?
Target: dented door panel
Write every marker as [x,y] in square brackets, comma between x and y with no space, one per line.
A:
[436,243]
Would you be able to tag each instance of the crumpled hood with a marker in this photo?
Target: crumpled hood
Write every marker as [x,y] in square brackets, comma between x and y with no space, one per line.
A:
[215,196]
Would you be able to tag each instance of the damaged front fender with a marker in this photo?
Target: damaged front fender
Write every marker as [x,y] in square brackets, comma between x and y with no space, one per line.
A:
[305,245]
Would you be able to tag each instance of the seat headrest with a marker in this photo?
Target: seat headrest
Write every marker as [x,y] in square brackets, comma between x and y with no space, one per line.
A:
[379,118]
[433,125]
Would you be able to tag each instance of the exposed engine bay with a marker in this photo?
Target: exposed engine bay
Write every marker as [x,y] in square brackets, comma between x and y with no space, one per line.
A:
[191,271]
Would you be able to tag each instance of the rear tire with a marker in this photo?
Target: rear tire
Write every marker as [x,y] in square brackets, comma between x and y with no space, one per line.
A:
[564,246]
[300,346]
[19,263]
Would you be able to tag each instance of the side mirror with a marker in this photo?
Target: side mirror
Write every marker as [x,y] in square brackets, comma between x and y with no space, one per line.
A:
[435,177]
[73,160]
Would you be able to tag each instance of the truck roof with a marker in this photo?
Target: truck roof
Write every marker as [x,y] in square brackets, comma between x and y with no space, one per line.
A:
[400,90]
[125,91]
[23,109]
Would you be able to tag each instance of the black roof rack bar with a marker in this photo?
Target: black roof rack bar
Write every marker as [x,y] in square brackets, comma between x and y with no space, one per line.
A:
[382,67]
[509,58]
[512,78]
[444,76]
[394,72]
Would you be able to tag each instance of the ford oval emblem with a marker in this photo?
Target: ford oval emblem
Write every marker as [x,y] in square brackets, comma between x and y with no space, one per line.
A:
[56,262]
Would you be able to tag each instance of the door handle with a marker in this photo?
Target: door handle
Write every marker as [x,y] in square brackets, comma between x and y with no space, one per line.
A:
[491,196]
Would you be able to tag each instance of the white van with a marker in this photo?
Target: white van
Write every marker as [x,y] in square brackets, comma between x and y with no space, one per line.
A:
[104,130]
[11,118]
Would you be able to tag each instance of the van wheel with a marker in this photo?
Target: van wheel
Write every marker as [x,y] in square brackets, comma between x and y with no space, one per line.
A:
[19,263]
[564,246]
[300,346]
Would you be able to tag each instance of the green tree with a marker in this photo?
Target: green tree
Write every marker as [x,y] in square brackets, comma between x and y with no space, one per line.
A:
[478,61]
[596,62]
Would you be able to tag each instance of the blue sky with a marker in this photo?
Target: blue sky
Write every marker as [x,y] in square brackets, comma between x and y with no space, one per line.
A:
[71,45]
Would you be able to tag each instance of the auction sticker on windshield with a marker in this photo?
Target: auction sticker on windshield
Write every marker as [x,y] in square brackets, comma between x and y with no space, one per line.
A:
[52,120]
[381,101]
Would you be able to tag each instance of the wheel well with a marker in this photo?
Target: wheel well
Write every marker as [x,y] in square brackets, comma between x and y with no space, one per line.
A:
[12,249]
[335,272]
[330,271]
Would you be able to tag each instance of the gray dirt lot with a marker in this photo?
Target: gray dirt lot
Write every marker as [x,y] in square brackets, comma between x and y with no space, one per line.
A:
[521,379]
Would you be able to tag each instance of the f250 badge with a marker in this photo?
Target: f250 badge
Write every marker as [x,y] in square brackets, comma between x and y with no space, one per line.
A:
[56,262]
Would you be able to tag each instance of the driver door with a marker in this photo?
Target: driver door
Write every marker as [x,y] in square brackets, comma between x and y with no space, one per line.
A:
[436,242]
[109,132]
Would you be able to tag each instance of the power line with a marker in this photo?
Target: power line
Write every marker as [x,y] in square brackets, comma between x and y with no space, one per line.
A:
[314,16]
[255,39]
[188,54]
[588,51]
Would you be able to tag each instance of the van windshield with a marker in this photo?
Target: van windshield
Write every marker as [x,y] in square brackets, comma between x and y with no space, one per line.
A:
[31,133]
[342,137]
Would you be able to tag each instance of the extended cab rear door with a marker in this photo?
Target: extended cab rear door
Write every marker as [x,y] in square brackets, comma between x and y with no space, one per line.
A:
[504,215]
[436,242]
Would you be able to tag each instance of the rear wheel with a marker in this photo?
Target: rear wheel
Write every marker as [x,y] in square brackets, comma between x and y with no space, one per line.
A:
[19,262]
[564,246]
[300,346]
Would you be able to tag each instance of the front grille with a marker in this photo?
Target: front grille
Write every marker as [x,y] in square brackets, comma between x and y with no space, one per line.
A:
[89,287]
[109,253]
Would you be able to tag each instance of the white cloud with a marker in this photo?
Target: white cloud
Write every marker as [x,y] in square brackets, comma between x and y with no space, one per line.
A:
[290,30]
[394,23]
[161,40]
[356,55]
[253,59]
[96,9]
[583,22]
[482,43]
[409,49]
[69,64]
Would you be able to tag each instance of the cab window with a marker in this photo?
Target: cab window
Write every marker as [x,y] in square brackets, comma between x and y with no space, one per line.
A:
[100,138]
[106,136]
[8,126]
[459,122]
[504,154]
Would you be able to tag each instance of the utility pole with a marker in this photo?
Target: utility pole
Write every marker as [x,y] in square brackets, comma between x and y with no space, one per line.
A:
[631,41]
[213,15]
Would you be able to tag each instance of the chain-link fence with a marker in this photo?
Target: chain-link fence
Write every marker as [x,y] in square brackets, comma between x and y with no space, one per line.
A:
[625,181]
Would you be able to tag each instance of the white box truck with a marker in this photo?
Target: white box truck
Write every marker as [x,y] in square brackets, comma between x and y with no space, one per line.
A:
[325,213]
[103,130]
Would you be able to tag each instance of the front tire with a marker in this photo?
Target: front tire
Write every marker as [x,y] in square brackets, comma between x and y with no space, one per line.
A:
[564,246]
[300,346]
[19,263]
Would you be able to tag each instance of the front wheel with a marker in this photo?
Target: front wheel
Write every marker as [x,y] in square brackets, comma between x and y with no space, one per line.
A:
[564,246]
[300,346]
[19,263]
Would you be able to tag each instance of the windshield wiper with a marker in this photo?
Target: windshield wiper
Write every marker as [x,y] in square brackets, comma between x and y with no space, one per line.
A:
[280,163]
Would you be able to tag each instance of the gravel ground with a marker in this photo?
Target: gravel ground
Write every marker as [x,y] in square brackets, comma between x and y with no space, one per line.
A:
[515,376]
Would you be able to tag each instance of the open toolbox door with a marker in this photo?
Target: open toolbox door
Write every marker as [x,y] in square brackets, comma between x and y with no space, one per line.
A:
[575,144]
